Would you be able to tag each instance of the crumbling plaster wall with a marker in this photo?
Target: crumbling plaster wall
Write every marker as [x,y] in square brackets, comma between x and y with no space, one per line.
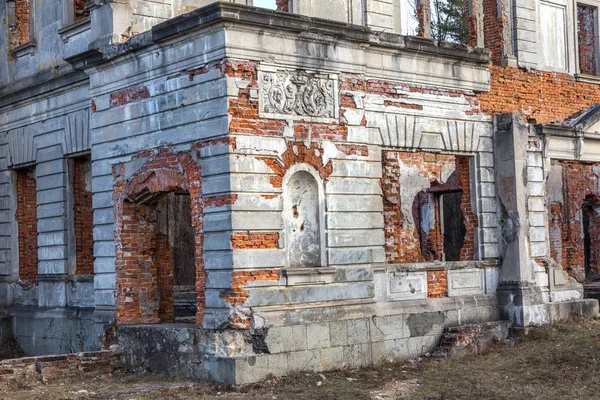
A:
[570,183]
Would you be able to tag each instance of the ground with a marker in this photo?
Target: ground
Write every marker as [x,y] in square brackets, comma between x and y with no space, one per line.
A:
[558,362]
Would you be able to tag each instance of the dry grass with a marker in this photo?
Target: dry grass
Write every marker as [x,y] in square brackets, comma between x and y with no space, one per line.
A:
[559,362]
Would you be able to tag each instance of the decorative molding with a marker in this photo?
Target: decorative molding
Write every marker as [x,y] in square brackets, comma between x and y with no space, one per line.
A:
[407,131]
[298,95]
[68,31]
[24,50]
[21,146]
[77,132]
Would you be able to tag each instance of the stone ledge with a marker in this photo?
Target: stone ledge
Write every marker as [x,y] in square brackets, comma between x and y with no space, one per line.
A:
[230,13]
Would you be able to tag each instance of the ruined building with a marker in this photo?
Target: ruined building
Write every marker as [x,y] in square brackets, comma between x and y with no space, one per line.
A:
[231,191]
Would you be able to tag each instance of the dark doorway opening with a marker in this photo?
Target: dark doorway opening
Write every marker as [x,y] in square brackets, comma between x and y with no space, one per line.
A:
[591,237]
[182,239]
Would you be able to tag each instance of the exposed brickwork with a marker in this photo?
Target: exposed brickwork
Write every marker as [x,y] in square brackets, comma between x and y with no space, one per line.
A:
[144,259]
[220,201]
[541,96]
[79,9]
[404,242]
[581,184]
[22,30]
[244,109]
[129,95]
[298,153]
[83,216]
[353,149]
[236,295]
[586,38]
[283,5]
[396,90]
[493,27]
[255,240]
[58,367]
[26,216]
[471,22]
[231,141]
[437,284]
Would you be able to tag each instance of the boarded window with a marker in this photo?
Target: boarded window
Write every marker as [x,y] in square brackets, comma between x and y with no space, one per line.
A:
[552,39]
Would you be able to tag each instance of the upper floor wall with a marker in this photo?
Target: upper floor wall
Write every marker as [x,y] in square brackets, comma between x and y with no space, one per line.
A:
[548,35]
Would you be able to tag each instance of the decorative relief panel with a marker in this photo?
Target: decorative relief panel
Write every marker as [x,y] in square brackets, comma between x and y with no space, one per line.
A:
[407,285]
[424,133]
[21,145]
[77,132]
[298,95]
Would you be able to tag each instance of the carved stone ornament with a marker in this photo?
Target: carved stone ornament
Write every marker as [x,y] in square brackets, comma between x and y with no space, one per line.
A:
[297,94]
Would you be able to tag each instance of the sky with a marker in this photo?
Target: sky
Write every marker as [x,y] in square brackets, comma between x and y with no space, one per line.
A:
[265,4]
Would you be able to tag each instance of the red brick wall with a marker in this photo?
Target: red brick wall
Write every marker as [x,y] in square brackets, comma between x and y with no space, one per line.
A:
[255,240]
[26,216]
[437,284]
[493,26]
[237,295]
[404,243]
[144,260]
[83,216]
[580,183]
[283,5]
[297,153]
[79,9]
[542,96]
[586,32]
[471,22]
[22,22]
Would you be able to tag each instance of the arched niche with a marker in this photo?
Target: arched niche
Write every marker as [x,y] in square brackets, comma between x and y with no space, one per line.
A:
[304,217]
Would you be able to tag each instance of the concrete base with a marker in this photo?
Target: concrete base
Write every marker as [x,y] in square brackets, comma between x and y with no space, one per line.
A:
[56,331]
[236,357]
[542,314]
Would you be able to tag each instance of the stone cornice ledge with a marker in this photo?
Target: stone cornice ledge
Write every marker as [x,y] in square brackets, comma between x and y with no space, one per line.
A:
[245,15]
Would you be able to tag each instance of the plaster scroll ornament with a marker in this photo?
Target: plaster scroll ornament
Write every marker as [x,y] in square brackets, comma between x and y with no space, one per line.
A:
[297,93]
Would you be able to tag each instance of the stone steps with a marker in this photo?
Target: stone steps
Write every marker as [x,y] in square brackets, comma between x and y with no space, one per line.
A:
[184,301]
[471,339]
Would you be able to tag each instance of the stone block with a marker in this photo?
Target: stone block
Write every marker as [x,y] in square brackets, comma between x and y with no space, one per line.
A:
[251,369]
[358,331]
[407,285]
[308,360]
[317,336]
[332,358]
[286,338]
[466,282]
[338,333]
[357,356]
[387,328]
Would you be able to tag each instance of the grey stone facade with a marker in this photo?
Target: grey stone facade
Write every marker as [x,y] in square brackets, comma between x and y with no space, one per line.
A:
[151,76]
